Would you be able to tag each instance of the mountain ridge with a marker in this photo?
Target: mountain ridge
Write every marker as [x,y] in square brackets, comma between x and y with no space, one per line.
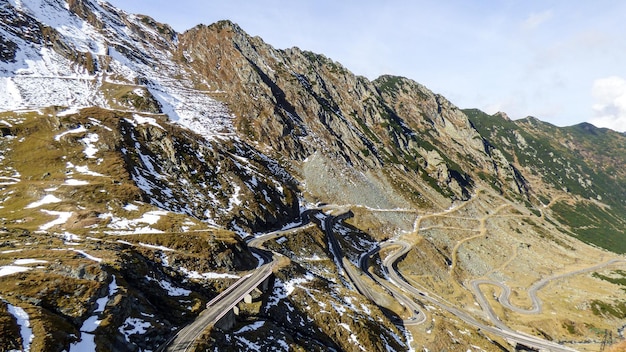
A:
[136,160]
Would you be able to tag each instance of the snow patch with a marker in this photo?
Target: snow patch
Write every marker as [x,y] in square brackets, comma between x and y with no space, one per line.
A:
[151,246]
[83,170]
[291,285]
[134,326]
[84,254]
[90,147]
[29,261]
[87,338]
[152,217]
[24,322]
[171,289]
[146,120]
[130,207]
[123,226]
[62,218]
[206,276]
[249,345]
[74,182]
[71,111]
[79,129]
[69,237]
[12,269]
[252,327]
[48,199]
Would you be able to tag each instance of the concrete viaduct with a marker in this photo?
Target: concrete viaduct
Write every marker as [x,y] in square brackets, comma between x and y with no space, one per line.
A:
[222,310]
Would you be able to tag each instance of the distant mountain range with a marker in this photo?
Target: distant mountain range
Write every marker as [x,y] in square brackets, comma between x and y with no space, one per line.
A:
[144,172]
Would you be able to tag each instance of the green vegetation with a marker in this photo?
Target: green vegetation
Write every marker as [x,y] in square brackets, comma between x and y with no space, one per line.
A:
[545,234]
[593,224]
[618,277]
[390,84]
[573,160]
[570,326]
[368,132]
[604,309]
[160,27]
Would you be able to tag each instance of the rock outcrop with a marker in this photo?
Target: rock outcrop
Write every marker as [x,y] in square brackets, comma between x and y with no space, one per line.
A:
[135,163]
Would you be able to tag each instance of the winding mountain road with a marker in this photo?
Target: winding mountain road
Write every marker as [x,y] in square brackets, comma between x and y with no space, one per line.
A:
[396,284]
[417,314]
[389,263]
[222,304]
[505,294]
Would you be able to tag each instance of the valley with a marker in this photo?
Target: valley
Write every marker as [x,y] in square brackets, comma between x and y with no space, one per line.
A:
[154,183]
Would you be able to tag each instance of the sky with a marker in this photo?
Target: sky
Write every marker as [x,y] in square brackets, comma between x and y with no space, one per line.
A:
[563,62]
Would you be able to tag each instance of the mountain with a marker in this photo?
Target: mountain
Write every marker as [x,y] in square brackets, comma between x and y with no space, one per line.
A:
[146,173]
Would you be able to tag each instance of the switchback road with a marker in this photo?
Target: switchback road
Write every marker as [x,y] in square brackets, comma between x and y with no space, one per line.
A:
[501,329]
[417,315]
[505,294]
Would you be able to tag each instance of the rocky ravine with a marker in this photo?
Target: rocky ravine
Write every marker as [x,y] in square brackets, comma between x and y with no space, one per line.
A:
[134,160]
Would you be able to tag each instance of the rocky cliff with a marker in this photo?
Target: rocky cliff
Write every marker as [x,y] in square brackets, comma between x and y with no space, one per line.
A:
[137,163]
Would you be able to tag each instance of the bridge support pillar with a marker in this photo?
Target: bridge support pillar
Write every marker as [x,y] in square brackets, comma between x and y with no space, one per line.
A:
[265,285]
[247,298]
[228,321]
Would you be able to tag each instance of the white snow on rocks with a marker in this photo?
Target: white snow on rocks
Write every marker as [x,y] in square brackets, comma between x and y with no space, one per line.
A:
[90,147]
[12,269]
[75,182]
[29,261]
[134,326]
[24,322]
[249,345]
[142,120]
[70,111]
[130,207]
[48,199]
[61,219]
[8,180]
[252,327]
[160,248]
[152,217]
[206,276]
[90,325]
[85,171]
[123,226]
[283,289]
[88,256]
[41,77]
[70,238]
[172,290]
[291,285]
[79,129]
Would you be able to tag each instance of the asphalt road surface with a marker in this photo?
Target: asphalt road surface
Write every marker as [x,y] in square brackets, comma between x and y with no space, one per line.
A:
[500,329]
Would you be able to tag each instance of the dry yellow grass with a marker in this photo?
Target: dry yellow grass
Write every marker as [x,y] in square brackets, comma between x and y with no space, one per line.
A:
[619,347]
[517,248]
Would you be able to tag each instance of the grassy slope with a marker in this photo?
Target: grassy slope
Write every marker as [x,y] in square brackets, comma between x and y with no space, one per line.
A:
[581,161]
[60,293]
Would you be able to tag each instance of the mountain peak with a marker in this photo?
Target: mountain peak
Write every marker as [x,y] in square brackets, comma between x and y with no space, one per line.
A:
[502,115]
[172,166]
[226,24]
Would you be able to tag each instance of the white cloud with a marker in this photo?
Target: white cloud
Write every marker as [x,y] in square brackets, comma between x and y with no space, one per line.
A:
[534,20]
[609,106]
